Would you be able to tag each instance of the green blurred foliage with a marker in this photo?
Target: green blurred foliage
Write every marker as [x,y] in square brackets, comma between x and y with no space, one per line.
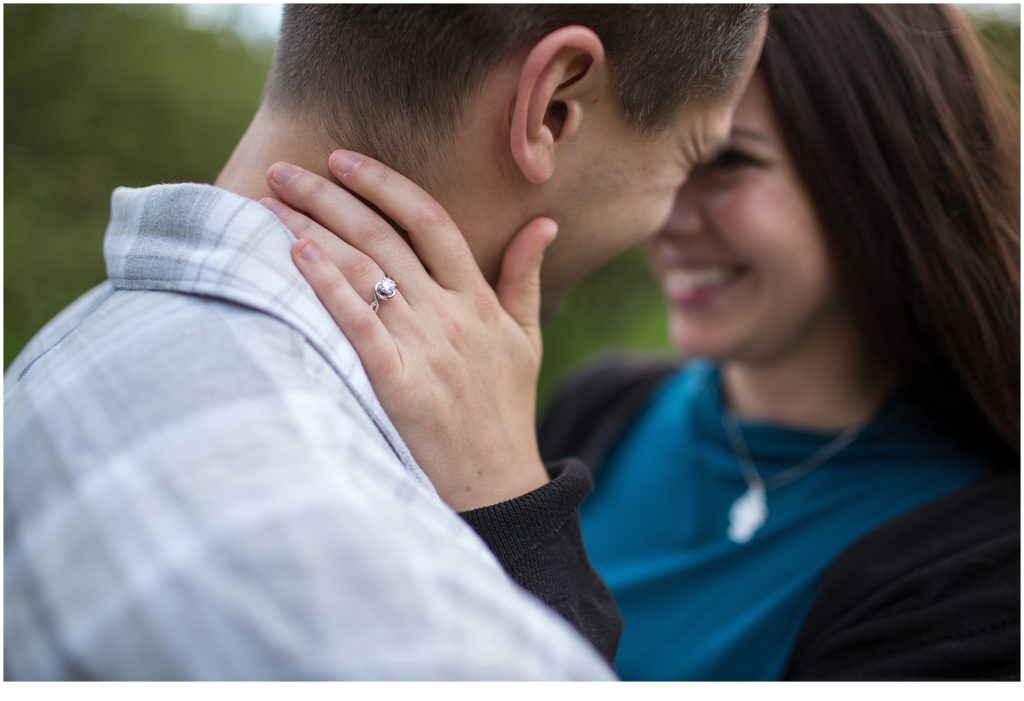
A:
[97,97]
[1003,42]
[102,96]
[618,308]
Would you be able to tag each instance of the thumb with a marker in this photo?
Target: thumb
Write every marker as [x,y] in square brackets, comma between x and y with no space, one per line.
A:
[518,287]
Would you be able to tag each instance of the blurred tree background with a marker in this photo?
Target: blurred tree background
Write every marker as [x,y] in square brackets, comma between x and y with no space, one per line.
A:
[101,96]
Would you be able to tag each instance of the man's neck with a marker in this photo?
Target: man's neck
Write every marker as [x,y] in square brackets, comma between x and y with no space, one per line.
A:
[270,138]
[477,197]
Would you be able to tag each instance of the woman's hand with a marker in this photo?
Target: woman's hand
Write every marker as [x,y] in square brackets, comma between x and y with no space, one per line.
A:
[453,362]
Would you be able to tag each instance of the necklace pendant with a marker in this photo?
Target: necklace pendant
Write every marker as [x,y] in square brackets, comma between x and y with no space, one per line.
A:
[748,513]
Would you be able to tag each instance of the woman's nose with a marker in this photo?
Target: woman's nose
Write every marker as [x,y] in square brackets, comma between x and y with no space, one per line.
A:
[687,217]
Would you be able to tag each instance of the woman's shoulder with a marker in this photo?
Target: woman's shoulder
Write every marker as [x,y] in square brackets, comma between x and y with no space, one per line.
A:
[934,593]
[592,407]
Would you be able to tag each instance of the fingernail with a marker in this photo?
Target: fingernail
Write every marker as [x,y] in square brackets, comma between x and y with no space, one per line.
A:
[345,162]
[311,253]
[550,241]
[281,173]
[274,206]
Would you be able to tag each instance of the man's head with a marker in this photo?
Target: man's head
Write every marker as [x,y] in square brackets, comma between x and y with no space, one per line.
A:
[592,115]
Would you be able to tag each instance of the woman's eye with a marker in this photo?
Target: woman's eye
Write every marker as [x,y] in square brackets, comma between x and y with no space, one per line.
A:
[731,159]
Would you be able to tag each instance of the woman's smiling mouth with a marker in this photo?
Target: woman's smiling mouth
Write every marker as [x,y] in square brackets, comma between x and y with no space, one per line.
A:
[700,283]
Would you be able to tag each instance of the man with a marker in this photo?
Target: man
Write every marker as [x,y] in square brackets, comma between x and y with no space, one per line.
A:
[200,482]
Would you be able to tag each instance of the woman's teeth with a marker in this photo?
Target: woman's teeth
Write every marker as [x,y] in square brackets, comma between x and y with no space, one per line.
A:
[688,279]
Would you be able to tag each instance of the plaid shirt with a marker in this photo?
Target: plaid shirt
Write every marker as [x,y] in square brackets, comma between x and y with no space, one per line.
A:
[201,484]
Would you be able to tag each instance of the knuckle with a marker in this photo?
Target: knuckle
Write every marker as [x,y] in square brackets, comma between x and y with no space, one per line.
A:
[318,187]
[453,327]
[362,324]
[432,217]
[375,174]
[441,365]
[484,302]
[375,232]
[359,266]
[299,225]
[333,286]
[308,186]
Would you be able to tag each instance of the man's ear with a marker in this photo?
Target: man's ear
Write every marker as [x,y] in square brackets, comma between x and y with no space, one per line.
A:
[560,78]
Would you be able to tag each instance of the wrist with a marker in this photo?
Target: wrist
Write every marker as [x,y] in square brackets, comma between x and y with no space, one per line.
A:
[495,484]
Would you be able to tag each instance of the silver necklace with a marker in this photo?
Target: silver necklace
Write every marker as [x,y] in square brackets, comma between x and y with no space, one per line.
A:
[750,511]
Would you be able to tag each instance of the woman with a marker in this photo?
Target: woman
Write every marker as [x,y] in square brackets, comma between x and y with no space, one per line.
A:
[850,262]
[832,490]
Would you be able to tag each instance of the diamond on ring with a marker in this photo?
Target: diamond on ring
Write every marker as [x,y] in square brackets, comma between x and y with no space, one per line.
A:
[386,288]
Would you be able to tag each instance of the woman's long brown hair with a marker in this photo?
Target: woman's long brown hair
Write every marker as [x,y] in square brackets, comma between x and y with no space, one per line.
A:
[910,148]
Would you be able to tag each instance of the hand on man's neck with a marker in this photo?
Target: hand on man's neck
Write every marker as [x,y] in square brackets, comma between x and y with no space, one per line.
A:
[478,199]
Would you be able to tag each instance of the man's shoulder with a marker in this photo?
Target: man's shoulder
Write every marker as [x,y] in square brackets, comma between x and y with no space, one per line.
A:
[191,492]
[138,363]
[199,484]
[55,330]
[141,339]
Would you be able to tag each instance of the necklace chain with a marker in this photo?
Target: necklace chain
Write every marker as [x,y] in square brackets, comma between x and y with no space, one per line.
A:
[816,459]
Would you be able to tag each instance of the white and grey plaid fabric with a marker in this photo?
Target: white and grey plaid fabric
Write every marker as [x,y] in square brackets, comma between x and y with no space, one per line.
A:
[200,484]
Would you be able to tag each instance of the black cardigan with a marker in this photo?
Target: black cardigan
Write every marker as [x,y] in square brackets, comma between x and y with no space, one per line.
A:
[933,594]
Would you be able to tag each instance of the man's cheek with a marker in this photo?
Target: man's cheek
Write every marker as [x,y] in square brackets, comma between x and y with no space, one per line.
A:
[658,214]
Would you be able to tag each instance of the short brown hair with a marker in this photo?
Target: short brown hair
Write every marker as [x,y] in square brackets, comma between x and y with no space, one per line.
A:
[395,77]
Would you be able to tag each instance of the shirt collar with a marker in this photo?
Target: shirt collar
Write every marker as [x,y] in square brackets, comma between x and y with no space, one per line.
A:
[203,240]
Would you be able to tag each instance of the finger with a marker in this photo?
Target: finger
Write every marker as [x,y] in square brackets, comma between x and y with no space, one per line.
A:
[342,214]
[358,268]
[433,234]
[360,324]
[518,287]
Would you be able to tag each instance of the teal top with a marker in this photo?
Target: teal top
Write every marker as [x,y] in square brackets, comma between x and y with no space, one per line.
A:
[698,606]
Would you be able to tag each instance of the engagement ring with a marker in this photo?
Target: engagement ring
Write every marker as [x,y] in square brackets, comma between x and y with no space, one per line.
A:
[385,289]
